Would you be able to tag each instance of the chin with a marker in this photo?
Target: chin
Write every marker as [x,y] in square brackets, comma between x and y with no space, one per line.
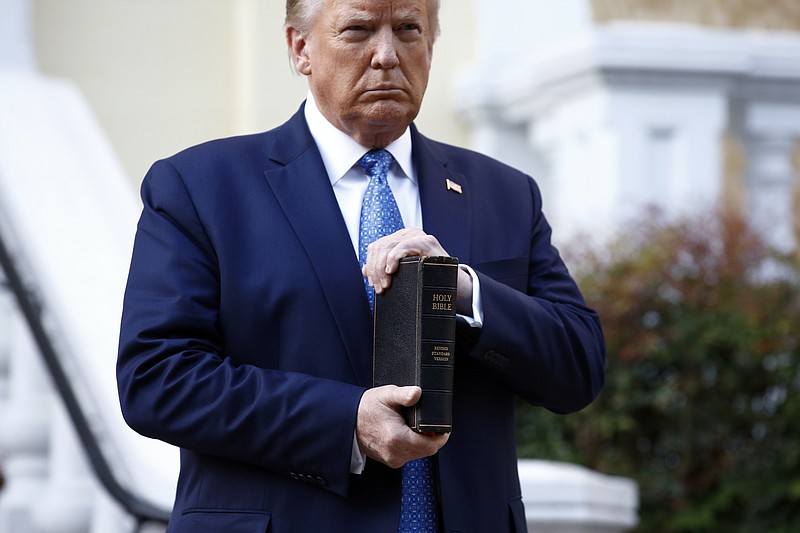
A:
[390,113]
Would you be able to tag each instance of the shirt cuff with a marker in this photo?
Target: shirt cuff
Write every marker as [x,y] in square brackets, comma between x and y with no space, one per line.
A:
[358,459]
[476,320]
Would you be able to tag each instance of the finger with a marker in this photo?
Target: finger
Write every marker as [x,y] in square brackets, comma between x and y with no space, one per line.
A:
[378,250]
[384,255]
[375,270]
[394,396]
[382,433]
[416,244]
[374,267]
[425,445]
[408,396]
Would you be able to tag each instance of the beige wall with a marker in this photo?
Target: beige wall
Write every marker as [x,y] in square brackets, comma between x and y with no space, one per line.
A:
[165,74]
[761,14]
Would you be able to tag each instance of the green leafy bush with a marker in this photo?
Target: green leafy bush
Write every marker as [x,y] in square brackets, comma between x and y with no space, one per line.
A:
[702,398]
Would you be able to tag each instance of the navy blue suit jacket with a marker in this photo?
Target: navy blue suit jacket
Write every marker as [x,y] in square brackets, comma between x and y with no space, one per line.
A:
[246,336]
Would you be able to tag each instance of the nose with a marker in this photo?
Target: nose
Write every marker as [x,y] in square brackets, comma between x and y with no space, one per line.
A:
[384,55]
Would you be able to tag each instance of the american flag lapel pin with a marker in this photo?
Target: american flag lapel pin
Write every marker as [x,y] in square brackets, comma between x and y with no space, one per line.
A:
[453,186]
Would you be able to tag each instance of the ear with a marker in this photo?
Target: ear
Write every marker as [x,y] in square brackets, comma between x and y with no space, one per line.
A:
[298,50]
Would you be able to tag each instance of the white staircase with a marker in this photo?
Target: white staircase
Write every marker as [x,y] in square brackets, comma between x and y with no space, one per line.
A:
[67,215]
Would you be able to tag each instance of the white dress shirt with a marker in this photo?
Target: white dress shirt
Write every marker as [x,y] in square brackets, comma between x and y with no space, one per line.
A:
[340,153]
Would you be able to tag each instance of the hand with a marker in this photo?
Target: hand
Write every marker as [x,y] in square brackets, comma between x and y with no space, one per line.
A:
[382,433]
[384,255]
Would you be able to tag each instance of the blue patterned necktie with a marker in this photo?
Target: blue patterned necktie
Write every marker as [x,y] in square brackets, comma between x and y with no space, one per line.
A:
[379,213]
[418,512]
[380,217]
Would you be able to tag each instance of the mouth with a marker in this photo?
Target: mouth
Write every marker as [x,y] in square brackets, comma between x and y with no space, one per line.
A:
[385,88]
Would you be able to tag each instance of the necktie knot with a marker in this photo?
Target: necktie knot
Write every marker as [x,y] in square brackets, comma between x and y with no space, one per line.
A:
[376,163]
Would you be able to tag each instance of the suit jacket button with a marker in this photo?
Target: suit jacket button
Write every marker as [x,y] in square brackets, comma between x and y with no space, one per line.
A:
[294,475]
[320,481]
[496,359]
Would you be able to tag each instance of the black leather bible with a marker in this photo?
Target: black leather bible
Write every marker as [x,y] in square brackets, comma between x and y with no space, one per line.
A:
[414,338]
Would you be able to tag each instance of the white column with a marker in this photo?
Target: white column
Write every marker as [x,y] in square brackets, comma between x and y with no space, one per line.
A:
[771,135]
[23,400]
[769,188]
[23,432]
[669,147]
[16,44]
[582,163]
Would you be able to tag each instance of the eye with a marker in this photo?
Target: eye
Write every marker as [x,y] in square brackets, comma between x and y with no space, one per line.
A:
[410,27]
[355,33]
[409,31]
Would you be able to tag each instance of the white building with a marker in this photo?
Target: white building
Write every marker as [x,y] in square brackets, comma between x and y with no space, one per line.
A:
[617,104]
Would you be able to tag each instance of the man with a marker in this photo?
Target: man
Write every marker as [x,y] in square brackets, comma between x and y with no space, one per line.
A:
[246,333]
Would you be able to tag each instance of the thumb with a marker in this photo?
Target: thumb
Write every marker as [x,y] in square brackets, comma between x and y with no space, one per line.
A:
[408,396]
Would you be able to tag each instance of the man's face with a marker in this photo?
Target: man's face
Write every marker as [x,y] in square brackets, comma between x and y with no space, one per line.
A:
[367,63]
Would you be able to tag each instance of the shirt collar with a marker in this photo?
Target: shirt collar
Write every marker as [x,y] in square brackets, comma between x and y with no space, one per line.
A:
[340,152]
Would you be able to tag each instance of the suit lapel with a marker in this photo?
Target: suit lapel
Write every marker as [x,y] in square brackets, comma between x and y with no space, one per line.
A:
[301,185]
[446,213]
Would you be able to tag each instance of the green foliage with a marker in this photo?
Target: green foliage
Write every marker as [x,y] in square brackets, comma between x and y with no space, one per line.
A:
[701,404]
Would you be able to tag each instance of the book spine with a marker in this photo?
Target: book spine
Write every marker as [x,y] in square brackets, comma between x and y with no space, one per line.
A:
[436,314]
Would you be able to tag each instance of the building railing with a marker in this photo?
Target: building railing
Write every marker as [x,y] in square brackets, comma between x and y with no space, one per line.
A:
[28,304]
